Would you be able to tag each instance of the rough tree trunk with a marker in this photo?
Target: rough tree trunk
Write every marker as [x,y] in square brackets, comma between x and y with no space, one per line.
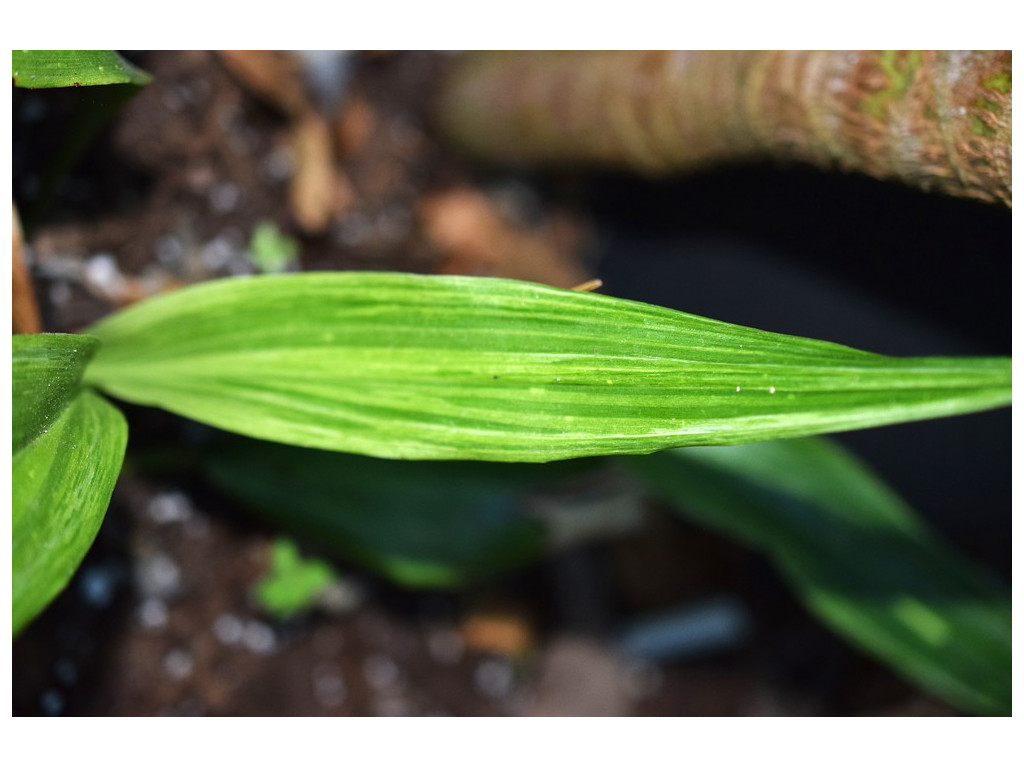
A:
[940,120]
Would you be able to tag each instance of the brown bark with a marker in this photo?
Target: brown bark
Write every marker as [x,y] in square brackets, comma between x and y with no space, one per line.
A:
[939,120]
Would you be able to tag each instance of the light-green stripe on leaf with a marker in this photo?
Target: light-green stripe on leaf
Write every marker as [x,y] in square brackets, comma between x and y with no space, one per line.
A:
[857,555]
[68,449]
[437,367]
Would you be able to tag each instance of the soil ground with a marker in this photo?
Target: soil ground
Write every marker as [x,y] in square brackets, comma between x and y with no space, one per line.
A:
[161,620]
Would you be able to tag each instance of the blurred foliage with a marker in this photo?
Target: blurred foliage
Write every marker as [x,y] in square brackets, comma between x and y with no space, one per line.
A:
[858,557]
[421,524]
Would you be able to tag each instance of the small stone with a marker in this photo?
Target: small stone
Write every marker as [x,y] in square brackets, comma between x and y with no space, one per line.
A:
[152,613]
[65,671]
[228,628]
[51,702]
[279,164]
[328,685]
[170,251]
[391,706]
[380,671]
[259,638]
[60,293]
[340,597]
[218,253]
[446,646]
[354,229]
[641,679]
[494,678]
[97,584]
[102,272]
[157,576]
[224,197]
[178,664]
[172,507]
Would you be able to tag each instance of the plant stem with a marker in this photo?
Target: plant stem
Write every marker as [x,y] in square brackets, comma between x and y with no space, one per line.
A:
[938,120]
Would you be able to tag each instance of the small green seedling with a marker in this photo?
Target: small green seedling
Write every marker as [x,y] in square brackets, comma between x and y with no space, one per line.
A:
[271,250]
[293,583]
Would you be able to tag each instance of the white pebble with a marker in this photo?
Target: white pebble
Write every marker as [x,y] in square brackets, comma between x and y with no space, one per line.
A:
[328,685]
[172,507]
[157,576]
[259,638]
[153,613]
[102,270]
[279,164]
[170,250]
[217,253]
[392,706]
[494,678]
[178,664]
[224,197]
[446,646]
[228,628]
[380,671]
[60,293]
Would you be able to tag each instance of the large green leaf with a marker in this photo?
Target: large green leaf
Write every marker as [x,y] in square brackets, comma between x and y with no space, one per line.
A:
[45,372]
[62,69]
[61,485]
[860,559]
[411,366]
[421,524]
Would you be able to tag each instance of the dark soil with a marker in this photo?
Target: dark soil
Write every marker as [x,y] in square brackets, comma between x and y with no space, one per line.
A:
[161,620]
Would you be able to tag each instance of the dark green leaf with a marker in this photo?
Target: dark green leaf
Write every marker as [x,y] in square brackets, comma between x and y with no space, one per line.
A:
[61,485]
[62,69]
[857,555]
[431,524]
[410,366]
[45,372]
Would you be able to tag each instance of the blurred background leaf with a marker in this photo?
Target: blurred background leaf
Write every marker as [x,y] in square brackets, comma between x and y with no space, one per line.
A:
[421,524]
[858,557]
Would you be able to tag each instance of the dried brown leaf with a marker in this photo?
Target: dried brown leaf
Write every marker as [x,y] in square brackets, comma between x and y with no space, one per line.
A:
[476,240]
[314,185]
[273,76]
